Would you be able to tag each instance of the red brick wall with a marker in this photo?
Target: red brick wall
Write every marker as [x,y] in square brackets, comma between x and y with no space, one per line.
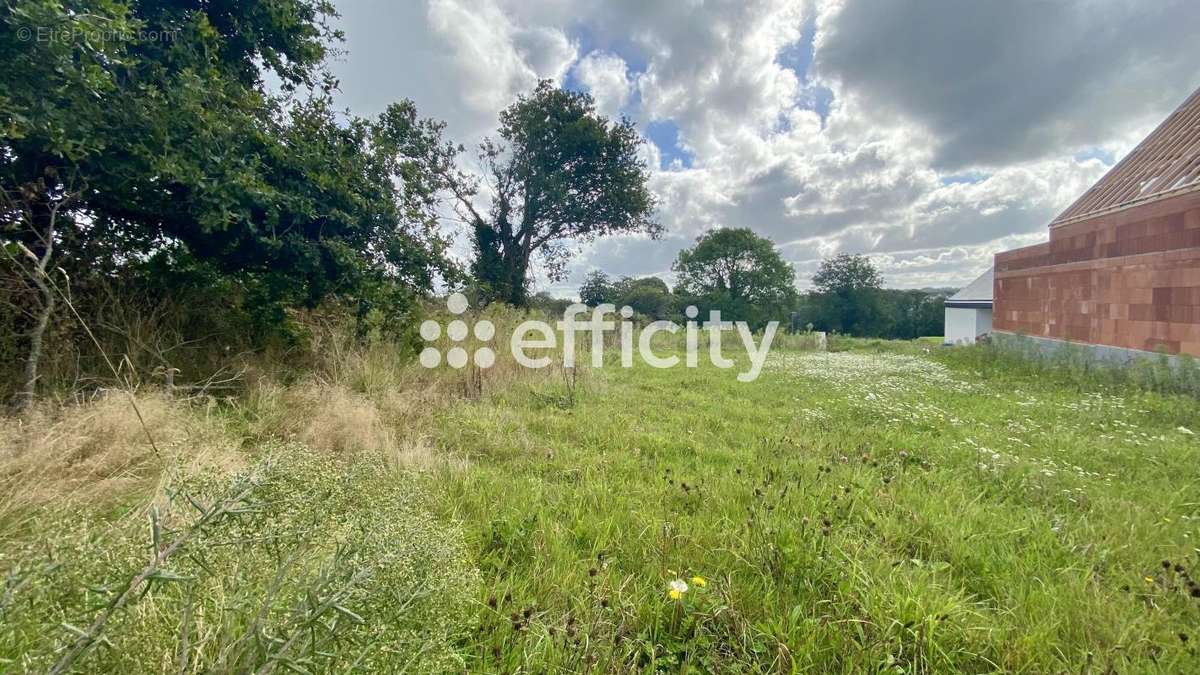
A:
[1129,279]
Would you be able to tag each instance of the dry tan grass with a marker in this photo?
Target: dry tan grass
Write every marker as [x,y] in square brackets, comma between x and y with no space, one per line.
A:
[355,399]
[100,449]
[336,420]
[393,422]
[375,398]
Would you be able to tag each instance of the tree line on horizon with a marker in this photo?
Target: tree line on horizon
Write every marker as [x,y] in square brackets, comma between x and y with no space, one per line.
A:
[742,275]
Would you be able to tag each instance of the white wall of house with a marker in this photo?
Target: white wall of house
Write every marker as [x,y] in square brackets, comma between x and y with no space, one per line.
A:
[964,324]
[983,321]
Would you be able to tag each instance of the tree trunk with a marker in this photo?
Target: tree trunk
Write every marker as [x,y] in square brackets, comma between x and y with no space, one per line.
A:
[25,395]
[44,221]
[516,267]
[500,266]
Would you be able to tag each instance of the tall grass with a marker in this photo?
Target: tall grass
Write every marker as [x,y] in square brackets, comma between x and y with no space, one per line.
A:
[312,564]
[329,560]
[883,507]
[1077,366]
[865,510]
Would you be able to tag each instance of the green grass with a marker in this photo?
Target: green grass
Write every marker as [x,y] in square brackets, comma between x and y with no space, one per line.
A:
[881,509]
[309,564]
[897,507]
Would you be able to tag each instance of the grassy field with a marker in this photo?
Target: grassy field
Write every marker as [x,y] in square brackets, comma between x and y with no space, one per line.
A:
[893,507]
[849,511]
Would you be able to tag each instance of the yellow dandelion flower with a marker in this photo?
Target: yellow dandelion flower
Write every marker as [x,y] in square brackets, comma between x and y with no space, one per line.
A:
[676,589]
[699,582]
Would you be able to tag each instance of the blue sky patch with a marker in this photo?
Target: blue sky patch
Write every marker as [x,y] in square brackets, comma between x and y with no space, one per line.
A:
[635,60]
[818,99]
[572,83]
[665,134]
[969,177]
[1096,153]
[798,57]
[630,53]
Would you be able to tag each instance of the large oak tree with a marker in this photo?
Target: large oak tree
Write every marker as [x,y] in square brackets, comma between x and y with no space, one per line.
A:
[560,173]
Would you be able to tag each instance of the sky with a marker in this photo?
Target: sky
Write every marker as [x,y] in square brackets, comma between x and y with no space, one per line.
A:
[927,134]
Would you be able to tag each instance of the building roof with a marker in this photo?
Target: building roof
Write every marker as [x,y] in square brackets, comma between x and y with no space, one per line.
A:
[1166,163]
[978,293]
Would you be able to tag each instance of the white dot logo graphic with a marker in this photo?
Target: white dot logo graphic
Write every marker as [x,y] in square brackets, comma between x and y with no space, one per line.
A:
[485,357]
[430,357]
[456,303]
[456,357]
[457,331]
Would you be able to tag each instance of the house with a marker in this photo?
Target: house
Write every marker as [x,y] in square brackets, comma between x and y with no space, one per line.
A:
[1121,271]
[969,312]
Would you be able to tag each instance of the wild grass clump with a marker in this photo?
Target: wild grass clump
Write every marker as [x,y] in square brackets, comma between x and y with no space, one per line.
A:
[800,341]
[1076,366]
[314,565]
[94,452]
[278,526]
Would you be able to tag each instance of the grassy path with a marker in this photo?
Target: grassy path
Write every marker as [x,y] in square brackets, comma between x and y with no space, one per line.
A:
[856,510]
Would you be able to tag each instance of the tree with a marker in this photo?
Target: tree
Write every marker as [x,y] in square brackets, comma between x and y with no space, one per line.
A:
[42,216]
[339,206]
[845,273]
[42,145]
[159,139]
[597,288]
[560,172]
[648,296]
[544,302]
[848,294]
[738,272]
[913,313]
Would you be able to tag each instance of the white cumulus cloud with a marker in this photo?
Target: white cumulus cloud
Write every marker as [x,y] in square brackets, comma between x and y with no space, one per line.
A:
[928,134]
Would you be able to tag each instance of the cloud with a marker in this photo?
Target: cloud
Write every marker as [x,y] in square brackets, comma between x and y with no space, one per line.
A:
[460,60]
[604,76]
[926,133]
[1001,82]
